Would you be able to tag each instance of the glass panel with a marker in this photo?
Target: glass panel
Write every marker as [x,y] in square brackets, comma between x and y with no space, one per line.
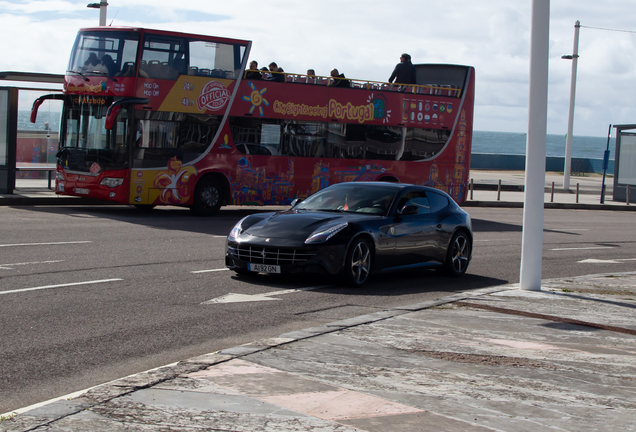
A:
[104,53]
[4,118]
[627,162]
[163,57]
[161,136]
[214,59]
[85,141]
[422,144]
[37,143]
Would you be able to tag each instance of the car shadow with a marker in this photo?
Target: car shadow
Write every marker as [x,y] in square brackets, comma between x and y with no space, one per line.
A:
[384,285]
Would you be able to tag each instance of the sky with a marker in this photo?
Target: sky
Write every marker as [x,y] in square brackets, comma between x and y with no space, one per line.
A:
[364,39]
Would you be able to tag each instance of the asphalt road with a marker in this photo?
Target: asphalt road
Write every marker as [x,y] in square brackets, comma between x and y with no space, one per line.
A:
[90,294]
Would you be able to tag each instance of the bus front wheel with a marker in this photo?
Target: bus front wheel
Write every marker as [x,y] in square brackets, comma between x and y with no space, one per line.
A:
[208,197]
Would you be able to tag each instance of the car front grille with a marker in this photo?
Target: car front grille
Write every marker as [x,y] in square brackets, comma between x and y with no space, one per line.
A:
[267,255]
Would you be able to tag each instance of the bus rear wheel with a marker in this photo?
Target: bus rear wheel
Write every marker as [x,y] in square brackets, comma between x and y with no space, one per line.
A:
[208,197]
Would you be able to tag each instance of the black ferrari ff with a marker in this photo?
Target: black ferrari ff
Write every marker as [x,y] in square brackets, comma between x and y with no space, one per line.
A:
[355,229]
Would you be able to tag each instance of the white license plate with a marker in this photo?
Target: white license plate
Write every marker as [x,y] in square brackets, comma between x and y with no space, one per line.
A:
[263,268]
[81,191]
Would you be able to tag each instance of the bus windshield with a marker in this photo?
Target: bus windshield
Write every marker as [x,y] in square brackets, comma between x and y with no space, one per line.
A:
[86,145]
[104,53]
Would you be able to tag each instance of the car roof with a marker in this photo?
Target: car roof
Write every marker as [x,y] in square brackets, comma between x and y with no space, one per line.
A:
[398,186]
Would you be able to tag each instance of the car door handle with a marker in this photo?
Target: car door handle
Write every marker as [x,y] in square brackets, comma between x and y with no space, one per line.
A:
[439,226]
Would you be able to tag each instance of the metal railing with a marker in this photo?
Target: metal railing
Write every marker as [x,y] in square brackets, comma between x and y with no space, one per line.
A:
[424,89]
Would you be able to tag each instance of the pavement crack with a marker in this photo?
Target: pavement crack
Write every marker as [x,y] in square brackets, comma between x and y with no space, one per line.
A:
[548,317]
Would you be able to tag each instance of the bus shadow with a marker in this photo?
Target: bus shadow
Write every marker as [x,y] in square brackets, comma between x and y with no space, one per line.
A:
[161,218]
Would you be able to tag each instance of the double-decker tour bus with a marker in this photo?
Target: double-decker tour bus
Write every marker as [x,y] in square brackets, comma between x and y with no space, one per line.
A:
[164,118]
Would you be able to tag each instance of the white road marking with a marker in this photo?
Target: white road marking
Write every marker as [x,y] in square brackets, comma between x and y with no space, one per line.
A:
[239,298]
[59,286]
[44,244]
[10,266]
[583,248]
[212,270]
[598,261]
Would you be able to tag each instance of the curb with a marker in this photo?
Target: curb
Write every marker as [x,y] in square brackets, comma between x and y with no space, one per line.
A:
[547,205]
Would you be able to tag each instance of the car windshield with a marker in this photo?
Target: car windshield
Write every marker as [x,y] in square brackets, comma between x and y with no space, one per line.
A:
[354,197]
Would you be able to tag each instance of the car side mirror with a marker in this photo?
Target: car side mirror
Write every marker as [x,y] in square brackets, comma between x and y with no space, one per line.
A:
[409,210]
[296,201]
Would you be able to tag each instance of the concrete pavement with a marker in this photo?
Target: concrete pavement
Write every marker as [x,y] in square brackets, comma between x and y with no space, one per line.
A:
[496,359]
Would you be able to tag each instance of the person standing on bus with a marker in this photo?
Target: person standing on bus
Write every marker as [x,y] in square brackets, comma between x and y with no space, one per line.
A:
[339,79]
[404,72]
[253,72]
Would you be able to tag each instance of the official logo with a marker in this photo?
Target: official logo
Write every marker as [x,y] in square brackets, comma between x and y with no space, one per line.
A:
[214,96]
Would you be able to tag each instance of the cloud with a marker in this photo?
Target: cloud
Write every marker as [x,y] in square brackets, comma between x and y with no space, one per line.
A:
[364,39]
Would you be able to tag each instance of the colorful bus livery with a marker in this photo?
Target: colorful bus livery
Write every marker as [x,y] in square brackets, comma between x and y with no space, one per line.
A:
[169,118]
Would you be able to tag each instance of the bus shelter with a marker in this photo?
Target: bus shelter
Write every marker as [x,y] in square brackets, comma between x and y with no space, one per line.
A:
[27,150]
[625,164]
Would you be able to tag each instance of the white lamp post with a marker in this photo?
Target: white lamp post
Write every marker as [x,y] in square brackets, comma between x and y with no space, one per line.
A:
[532,234]
[568,141]
[102,11]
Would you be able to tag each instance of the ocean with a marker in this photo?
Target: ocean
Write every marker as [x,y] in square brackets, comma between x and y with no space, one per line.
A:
[515,143]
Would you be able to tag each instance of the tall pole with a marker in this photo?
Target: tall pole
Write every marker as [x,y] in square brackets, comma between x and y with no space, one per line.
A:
[532,233]
[568,140]
[102,13]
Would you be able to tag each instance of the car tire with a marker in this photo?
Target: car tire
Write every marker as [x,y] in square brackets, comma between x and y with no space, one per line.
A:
[358,263]
[208,197]
[458,255]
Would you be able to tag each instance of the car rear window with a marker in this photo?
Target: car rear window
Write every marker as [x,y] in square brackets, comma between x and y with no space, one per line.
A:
[438,202]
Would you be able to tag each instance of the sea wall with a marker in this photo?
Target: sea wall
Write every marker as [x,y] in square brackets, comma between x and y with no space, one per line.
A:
[509,162]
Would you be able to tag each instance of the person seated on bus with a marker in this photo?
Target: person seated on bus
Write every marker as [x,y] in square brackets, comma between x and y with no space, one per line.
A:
[276,76]
[91,62]
[253,73]
[107,65]
[404,72]
[311,76]
[265,73]
[339,79]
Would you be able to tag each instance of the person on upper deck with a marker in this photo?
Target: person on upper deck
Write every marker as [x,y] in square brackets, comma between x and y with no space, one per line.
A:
[404,72]
[339,79]
[253,72]
[277,77]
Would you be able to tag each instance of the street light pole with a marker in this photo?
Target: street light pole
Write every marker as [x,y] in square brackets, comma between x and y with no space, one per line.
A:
[102,11]
[568,141]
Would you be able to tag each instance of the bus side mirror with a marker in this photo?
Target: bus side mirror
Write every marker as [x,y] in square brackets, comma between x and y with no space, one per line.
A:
[111,116]
[34,110]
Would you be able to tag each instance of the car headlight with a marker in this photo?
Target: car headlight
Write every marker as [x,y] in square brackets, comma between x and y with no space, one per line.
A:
[324,234]
[237,230]
[111,182]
